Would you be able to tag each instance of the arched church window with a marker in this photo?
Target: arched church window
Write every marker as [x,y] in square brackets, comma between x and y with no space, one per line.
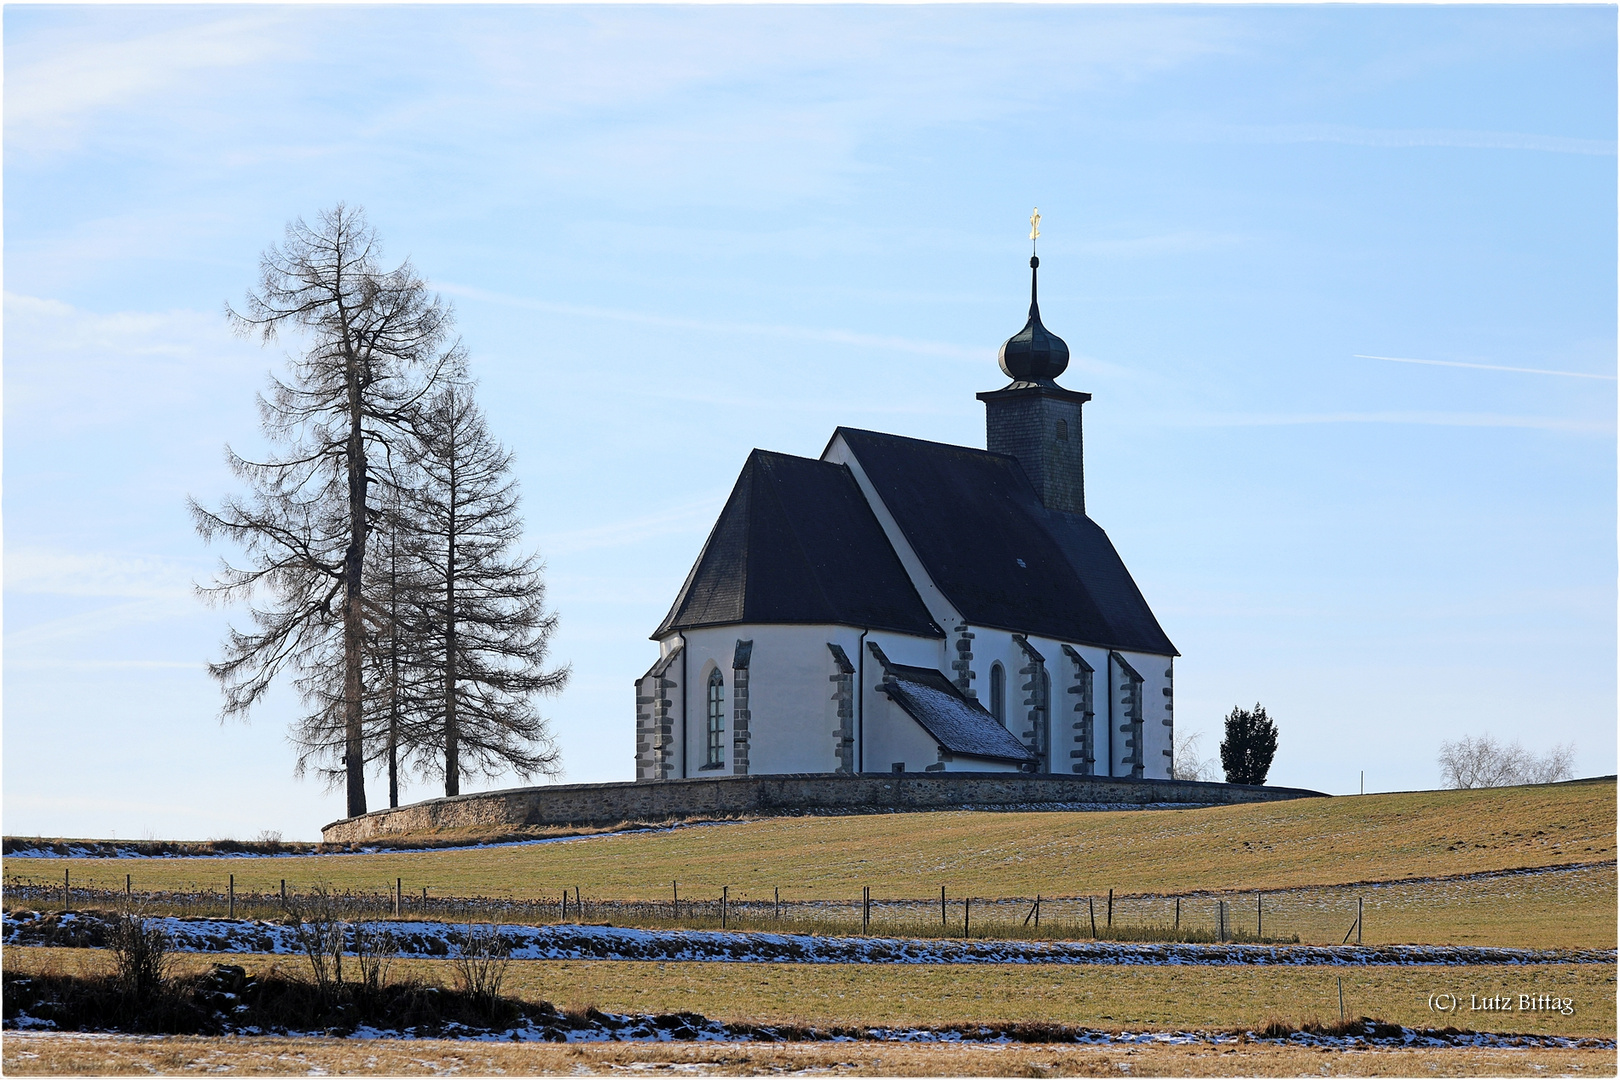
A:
[717,719]
[998,693]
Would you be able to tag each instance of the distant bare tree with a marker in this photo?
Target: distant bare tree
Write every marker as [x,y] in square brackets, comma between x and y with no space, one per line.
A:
[485,629]
[1484,762]
[374,343]
[1188,764]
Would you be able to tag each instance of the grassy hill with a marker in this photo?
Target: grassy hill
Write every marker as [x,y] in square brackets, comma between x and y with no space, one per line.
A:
[1256,846]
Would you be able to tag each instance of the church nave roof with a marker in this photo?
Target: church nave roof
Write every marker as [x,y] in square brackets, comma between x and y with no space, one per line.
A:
[798,543]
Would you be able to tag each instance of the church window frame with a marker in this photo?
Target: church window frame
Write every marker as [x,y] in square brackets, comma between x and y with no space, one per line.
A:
[998,693]
[715,697]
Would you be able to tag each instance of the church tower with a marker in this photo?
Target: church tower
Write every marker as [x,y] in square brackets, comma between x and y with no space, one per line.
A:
[1032,418]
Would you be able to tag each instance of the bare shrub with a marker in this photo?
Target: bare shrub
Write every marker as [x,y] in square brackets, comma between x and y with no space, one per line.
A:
[1483,762]
[321,935]
[140,952]
[1555,765]
[481,959]
[374,952]
[1188,764]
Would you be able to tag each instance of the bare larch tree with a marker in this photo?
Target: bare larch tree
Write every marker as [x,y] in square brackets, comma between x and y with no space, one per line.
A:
[486,629]
[373,344]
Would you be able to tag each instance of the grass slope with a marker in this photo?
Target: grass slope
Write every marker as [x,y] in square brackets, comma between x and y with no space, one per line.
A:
[1255,846]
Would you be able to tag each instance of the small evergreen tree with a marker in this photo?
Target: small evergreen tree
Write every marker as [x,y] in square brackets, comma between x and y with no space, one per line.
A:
[1249,746]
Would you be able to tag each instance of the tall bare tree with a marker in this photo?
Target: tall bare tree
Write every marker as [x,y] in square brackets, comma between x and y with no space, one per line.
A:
[373,343]
[486,628]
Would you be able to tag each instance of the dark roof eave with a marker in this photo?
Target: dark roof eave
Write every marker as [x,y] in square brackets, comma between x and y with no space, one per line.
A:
[1077,641]
[988,757]
[934,630]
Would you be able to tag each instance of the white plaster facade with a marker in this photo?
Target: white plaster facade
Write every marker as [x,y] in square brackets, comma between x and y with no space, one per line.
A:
[794,725]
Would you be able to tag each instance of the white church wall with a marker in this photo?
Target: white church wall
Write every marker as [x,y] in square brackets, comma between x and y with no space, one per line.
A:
[1158,675]
[791,699]
[892,737]
[992,646]
[793,715]
[707,649]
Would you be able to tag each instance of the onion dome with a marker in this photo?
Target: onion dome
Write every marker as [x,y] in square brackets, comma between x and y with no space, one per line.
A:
[1034,354]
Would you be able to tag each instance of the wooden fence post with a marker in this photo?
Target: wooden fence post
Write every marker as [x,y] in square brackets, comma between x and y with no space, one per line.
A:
[1110,908]
[1178,913]
[776,893]
[129,888]
[230,894]
[1092,907]
[866,908]
[967,906]
[725,906]
[284,893]
[399,897]
[1358,920]
[942,905]
[1258,918]
[675,898]
[64,890]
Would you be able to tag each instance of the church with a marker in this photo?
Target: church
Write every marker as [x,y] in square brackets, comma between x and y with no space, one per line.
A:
[897,605]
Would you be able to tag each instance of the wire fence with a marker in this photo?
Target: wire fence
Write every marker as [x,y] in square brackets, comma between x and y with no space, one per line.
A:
[1320,916]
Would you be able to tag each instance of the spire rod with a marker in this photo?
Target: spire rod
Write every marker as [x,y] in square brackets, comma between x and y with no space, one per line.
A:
[1034,261]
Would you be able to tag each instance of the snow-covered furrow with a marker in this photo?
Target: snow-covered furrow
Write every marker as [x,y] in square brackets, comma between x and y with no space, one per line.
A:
[576,942]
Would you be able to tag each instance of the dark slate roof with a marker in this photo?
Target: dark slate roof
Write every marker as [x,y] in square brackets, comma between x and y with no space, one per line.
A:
[958,723]
[798,543]
[1001,558]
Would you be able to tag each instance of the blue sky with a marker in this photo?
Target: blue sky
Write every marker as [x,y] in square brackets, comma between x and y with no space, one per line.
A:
[673,234]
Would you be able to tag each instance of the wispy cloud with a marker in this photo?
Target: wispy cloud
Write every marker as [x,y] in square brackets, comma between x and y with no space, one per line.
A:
[802,333]
[693,516]
[49,100]
[40,571]
[1487,367]
[1398,137]
[1431,419]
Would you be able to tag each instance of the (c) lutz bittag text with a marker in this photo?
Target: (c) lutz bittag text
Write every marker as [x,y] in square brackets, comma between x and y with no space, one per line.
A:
[1501,1002]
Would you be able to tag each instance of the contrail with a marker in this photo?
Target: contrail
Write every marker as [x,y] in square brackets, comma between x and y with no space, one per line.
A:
[1486,367]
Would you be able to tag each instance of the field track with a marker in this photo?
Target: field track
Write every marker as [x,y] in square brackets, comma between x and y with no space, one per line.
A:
[35,1055]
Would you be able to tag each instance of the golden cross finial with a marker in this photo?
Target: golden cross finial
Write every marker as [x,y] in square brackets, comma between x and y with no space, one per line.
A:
[1035,224]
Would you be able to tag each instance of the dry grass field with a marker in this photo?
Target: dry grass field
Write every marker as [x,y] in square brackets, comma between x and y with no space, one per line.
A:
[1311,848]
[37,1055]
[1102,996]
[1255,846]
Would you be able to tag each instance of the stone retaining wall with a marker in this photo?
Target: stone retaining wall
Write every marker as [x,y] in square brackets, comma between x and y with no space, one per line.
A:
[791,793]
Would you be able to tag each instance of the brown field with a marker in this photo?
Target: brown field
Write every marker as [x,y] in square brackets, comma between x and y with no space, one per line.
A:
[1102,996]
[1256,846]
[35,1055]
